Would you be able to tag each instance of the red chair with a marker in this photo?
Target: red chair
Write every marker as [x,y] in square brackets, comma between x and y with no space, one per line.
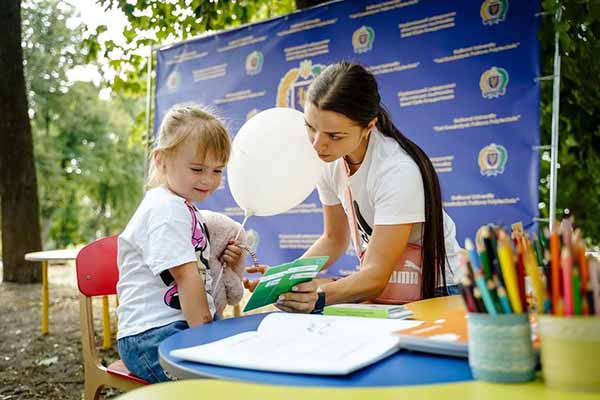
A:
[97,275]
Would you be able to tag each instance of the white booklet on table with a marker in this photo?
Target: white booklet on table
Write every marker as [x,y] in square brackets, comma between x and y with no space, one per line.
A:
[305,344]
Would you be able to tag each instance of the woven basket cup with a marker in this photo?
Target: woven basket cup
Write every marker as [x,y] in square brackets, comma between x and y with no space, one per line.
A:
[500,348]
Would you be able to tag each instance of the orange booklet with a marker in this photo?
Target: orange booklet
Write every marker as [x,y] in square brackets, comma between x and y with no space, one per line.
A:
[446,335]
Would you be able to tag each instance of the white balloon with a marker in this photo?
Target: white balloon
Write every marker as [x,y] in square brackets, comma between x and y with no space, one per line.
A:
[273,166]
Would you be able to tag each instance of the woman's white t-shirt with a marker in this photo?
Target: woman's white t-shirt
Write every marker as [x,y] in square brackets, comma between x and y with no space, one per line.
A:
[164,232]
[387,189]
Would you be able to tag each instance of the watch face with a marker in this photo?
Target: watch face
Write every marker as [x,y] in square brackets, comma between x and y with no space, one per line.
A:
[320,303]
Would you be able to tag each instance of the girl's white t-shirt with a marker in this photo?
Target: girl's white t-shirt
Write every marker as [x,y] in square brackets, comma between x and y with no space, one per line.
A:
[164,232]
[387,189]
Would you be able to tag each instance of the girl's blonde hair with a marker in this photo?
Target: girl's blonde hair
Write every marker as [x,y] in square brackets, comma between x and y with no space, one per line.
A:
[181,124]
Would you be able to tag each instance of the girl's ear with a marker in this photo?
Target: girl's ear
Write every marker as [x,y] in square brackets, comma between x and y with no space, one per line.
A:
[159,160]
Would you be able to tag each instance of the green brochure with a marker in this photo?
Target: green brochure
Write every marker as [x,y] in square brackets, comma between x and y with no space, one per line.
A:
[281,278]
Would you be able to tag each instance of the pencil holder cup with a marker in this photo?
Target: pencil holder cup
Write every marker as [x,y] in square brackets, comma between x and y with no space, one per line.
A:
[500,348]
[570,352]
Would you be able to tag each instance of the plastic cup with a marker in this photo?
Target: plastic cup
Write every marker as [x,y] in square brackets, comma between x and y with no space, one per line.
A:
[570,352]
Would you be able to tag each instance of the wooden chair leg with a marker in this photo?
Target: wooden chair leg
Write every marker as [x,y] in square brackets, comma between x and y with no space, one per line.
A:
[237,310]
[91,392]
[116,318]
[106,334]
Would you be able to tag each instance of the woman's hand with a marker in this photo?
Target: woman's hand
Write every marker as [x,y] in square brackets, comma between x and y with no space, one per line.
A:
[232,254]
[301,299]
[251,284]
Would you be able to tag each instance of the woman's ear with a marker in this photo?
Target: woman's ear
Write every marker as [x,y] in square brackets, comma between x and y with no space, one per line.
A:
[372,124]
[370,127]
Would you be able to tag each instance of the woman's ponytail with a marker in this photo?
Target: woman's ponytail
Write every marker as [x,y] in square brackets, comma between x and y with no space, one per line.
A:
[434,248]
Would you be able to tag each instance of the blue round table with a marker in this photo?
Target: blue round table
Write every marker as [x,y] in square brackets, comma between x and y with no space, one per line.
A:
[402,368]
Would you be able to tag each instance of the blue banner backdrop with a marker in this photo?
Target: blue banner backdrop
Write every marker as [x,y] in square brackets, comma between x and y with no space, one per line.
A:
[458,77]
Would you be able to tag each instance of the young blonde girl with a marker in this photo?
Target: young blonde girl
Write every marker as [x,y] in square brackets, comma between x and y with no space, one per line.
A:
[163,252]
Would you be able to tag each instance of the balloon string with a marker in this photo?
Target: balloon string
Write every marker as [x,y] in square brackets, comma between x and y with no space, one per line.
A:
[246,216]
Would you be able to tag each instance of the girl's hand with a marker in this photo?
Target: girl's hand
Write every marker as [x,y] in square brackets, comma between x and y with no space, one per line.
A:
[301,299]
[251,284]
[232,254]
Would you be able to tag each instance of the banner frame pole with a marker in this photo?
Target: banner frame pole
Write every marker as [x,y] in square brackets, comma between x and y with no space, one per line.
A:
[555,122]
[148,119]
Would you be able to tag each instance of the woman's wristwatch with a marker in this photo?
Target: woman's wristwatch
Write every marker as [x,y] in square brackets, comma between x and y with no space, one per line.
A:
[320,303]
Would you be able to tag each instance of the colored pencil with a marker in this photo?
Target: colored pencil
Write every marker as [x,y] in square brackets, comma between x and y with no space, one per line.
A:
[491,252]
[467,290]
[504,302]
[576,287]
[505,256]
[584,275]
[566,264]
[485,261]
[520,271]
[566,228]
[489,280]
[542,301]
[472,253]
[594,271]
[555,264]
[478,301]
[465,284]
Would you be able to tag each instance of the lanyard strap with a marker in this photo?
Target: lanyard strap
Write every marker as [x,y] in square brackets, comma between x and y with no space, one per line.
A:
[355,236]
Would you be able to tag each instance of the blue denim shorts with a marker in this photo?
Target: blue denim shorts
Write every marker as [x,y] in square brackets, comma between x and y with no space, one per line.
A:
[140,352]
[446,291]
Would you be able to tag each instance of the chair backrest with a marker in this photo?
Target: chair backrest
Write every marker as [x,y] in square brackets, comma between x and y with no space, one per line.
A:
[97,271]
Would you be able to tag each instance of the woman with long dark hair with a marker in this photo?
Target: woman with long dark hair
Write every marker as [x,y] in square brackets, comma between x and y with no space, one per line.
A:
[380,190]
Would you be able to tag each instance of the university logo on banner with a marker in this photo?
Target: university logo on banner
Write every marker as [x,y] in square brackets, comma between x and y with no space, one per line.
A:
[493,11]
[173,81]
[492,160]
[292,88]
[362,39]
[493,82]
[254,63]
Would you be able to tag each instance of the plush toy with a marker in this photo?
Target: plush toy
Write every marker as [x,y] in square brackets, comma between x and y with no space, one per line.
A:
[227,282]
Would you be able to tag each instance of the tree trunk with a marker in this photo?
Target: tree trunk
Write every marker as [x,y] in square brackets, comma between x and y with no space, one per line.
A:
[18,184]
[302,4]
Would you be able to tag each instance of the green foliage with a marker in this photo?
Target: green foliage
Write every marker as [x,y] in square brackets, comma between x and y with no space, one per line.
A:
[89,152]
[155,22]
[99,167]
[579,128]
[50,48]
